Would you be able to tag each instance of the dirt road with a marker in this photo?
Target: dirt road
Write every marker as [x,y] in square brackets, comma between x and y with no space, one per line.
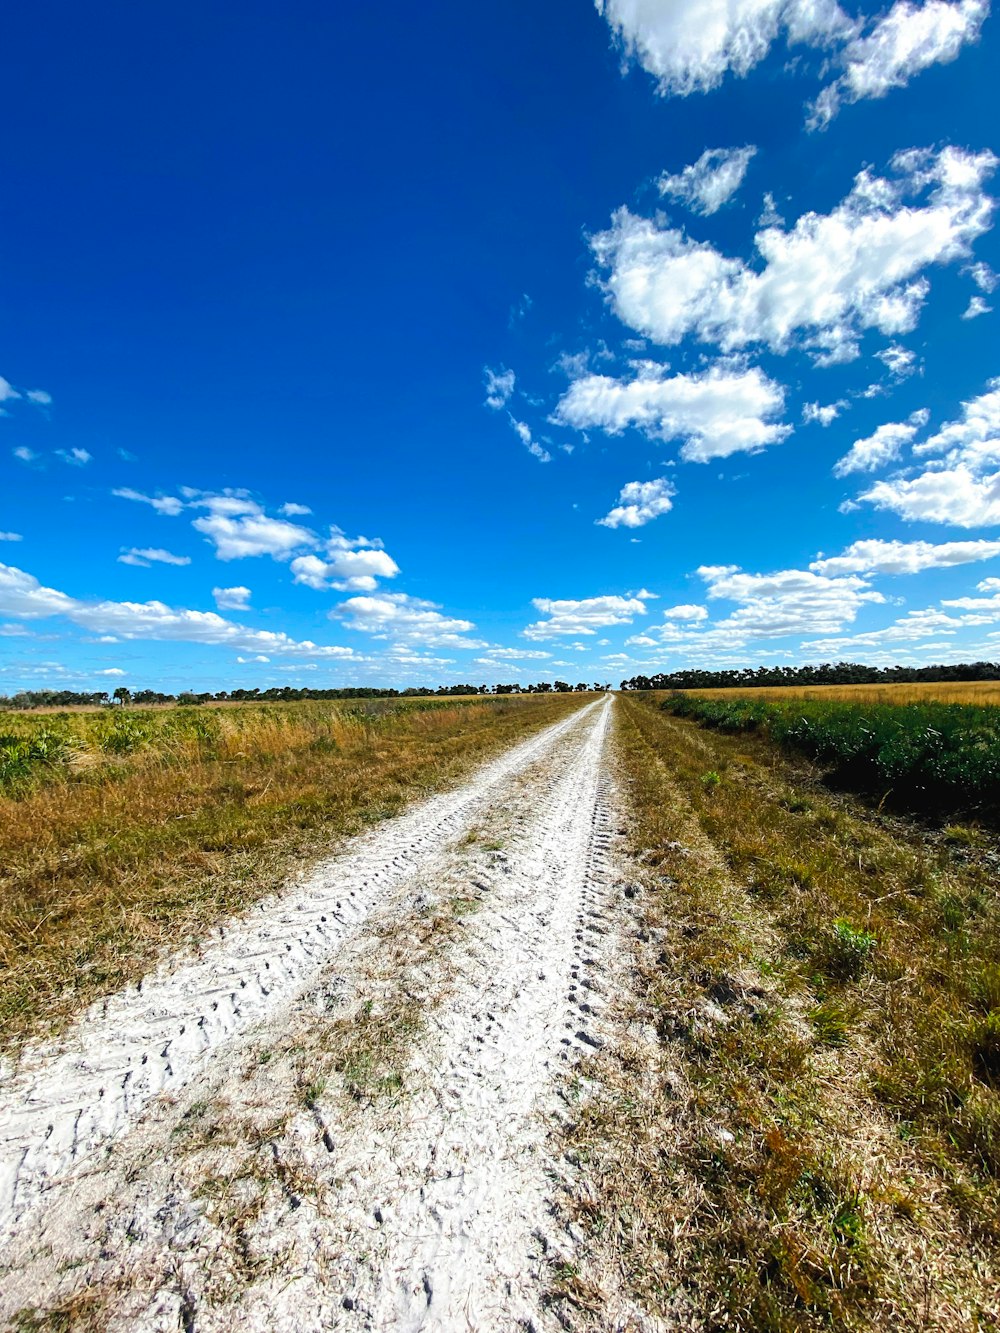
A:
[336,1115]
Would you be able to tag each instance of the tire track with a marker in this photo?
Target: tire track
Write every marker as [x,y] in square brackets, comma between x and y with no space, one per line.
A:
[460,1188]
[68,1098]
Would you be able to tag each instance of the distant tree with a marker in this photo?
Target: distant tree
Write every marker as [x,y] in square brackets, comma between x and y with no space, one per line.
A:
[122,696]
[582,685]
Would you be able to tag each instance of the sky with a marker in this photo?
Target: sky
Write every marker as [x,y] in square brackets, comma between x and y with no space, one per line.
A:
[417,344]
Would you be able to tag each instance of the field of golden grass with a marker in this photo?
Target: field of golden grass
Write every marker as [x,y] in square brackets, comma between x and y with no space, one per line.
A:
[945,692]
[817,1142]
[150,826]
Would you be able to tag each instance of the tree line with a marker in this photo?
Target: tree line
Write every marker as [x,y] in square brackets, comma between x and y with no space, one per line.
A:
[828,673]
[123,697]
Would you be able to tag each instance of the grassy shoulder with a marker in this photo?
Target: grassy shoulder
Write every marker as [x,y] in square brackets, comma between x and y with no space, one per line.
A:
[172,822]
[800,1123]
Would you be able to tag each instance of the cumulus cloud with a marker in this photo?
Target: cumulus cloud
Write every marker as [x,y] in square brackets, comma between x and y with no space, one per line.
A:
[899,361]
[499,387]
[721,411]
[348,565]
[232,599]
[638,503]
[874,556]
[239,528]
[906,40]
[585,616]
[144,556]
[707,184]
[820,284]
[689,46]
[407,620]
[962,487]
[976,307]
[880,448]
[790,601]
[687,611]
[520,654]
[23,596]
[249,531]
[824,413]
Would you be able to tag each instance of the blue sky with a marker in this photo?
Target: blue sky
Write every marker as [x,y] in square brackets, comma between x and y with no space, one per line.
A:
[414,344]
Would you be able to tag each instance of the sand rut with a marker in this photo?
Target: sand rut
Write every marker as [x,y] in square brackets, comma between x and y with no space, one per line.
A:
[432,1203]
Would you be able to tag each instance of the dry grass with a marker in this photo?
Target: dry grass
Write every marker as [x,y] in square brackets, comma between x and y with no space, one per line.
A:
[945,692]
[797,1127]
[150,837]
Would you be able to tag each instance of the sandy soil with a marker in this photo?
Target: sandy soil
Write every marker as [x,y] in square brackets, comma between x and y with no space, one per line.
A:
[191,1156]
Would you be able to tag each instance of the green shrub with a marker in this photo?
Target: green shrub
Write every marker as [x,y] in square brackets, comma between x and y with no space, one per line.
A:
[924,753]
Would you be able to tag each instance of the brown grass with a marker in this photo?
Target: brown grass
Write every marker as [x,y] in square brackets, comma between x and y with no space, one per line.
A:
[797,1128]
[120,856]
[945,692]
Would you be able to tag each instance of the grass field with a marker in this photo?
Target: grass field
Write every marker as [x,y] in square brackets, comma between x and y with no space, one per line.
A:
[948,692]
[818,1142]
[126,832]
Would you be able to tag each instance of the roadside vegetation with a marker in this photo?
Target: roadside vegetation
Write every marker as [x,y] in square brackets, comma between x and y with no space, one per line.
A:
[927,756]
[129,831]
[798,1126]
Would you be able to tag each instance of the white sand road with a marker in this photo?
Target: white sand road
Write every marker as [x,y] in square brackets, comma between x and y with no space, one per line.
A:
[426,1211]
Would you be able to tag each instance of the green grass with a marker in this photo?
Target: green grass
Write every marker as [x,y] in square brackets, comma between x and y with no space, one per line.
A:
[927,755]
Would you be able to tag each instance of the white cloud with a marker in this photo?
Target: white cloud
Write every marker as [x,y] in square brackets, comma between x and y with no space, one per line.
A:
[39,397]
[983,276]
[259,657]
[238,536]
[825,413]
[523,432]
[146,555]
[898,360]
[239,528]
[687,611]
[639,502]
[499,387]
[718,412]
[874,556]
[75,457]
[22,595]
[585,616]
[903,42]
[232,599]
[823,282]
[10,537]
[707,184]
[111,671]
[23,453]
[163,504]
[976,307]
[349,565]
[790,601]
[769,215]
[8,393]
[407,620]
[963,486]
[689,46]
[876,450]
[520,654]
